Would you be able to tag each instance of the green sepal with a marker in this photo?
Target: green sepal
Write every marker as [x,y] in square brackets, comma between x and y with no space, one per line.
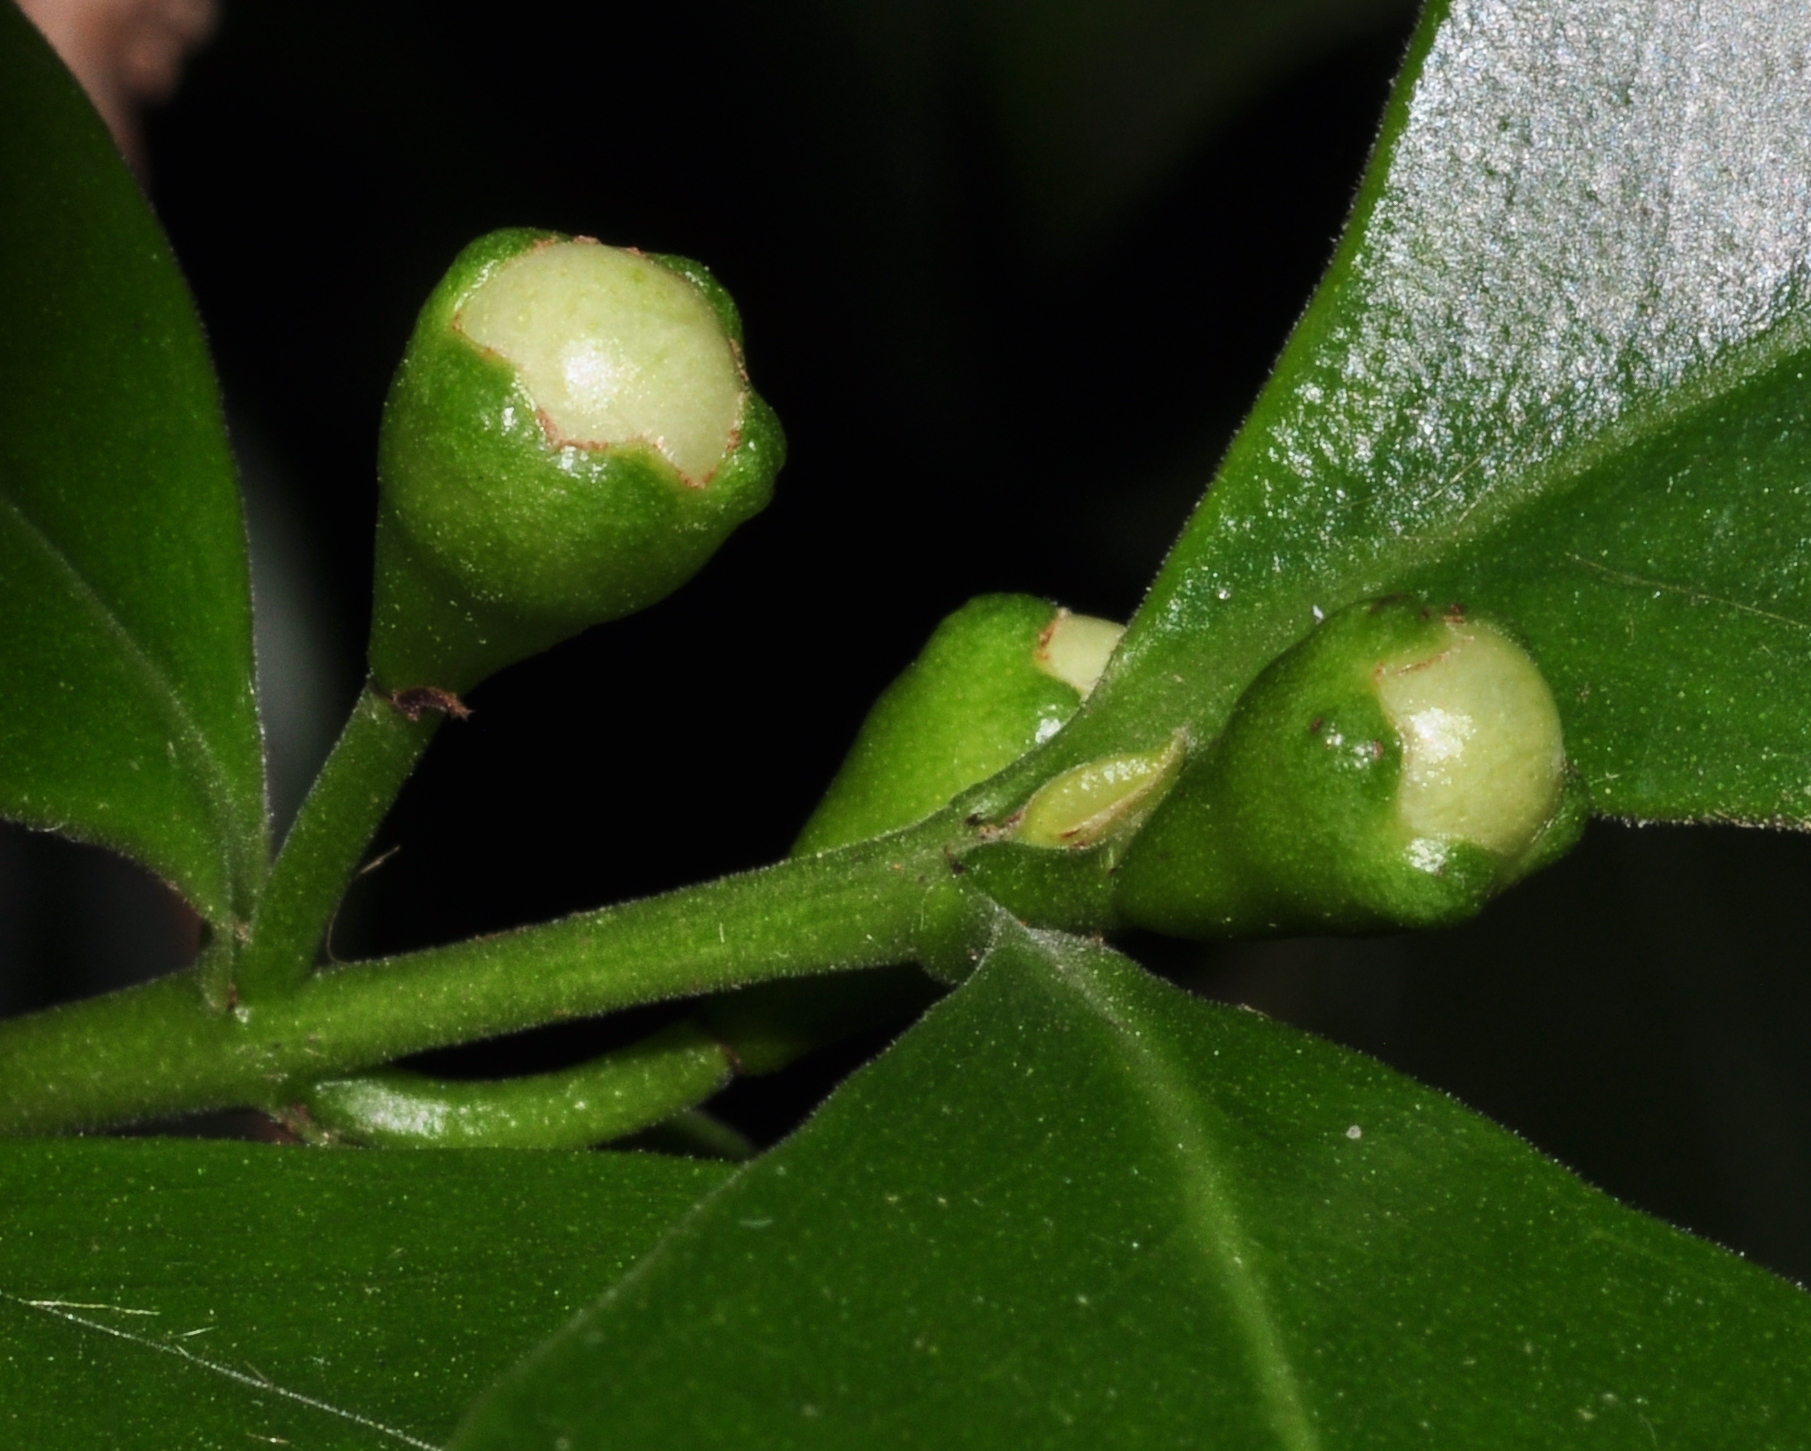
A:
[1288,821]
[493,543]
[972,703]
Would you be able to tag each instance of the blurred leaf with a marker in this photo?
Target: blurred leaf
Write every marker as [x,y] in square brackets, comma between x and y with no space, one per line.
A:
[1101,99]
[126,708]
[160,1294]
[1555,373]
[1076,1206]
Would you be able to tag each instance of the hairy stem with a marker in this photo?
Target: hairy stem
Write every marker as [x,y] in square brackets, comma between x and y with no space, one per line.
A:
[373,757]
[154,1050]
[757,1030]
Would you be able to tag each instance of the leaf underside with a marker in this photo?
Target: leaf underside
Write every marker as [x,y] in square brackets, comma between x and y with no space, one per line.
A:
[1077,1207]
[159,1294]
[1556,373]
[127,714]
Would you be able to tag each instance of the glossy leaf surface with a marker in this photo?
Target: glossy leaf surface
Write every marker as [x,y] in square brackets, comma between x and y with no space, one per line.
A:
[1078,1207]
[1555,372]
[159,1294]
[126,702]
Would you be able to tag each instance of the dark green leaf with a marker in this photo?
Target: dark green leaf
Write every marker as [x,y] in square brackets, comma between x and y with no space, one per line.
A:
[1556,372]
[162,1294]
[1077,1207]
[126,708]
[1668,598]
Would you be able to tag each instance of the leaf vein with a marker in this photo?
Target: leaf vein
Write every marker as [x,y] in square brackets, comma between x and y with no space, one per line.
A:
[1695,596]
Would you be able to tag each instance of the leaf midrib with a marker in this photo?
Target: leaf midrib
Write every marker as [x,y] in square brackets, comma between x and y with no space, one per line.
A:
[1215,1220]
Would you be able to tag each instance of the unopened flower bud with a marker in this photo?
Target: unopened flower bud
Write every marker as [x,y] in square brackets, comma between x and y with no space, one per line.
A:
[1397,768]
[1002,674]
[570,437]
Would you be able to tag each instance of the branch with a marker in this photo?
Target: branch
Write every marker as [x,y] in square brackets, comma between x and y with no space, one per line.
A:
[155,1050]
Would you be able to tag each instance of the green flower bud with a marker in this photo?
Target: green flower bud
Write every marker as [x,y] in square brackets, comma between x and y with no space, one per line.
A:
[571,435]
[1002,674]
[1395,769]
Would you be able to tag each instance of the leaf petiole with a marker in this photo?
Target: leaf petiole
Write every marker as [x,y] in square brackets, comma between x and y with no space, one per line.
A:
[615,1094]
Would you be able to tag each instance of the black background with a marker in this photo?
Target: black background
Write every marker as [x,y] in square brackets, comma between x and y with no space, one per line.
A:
[978,397]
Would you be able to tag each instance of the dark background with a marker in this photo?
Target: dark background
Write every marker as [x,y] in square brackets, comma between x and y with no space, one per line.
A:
[1010,273]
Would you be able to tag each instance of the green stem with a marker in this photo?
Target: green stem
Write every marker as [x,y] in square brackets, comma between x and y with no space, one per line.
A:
[373,757]
[757,1030]
[153,1050]
[615,1094]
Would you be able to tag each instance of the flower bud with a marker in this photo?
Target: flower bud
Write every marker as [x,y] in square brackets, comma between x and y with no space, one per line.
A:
[1002,674]
[571,435]
[1396,768]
